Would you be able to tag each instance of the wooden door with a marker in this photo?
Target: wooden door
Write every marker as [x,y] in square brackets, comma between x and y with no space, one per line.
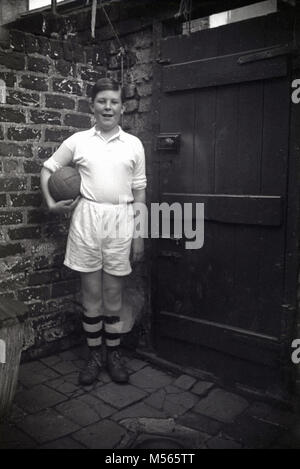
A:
[226,91]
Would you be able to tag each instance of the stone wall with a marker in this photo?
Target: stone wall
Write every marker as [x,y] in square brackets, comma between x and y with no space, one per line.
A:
[47,83]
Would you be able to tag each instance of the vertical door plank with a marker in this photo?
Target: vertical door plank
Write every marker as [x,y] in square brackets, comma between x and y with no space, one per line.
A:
[178,115]
[205,129]
[226,139]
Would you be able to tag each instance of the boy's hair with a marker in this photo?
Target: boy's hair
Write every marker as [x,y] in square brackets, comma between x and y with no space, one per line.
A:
[104,84]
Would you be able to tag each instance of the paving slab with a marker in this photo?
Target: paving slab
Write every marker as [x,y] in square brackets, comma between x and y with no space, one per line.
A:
[63,443]
[253,433]
[52,360]
[202,388]
[13,438]
[64,367]
[150,379]
[185,382]
[201,423]
[119,395]
[82,352]
[68,355]
[173,404]
[38,398]
[17,414]
[85,410]
[135,364]
[221,405]
[66,387]
[222,443]
[272,414]
[47,425]
[102,435]
[138,410]
[33,373]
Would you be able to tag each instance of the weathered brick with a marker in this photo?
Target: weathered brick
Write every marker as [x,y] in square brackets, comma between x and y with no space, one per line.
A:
[17,40]
[44,46]
[43,278]
[2,200]
[64,68]
[44,152]
[22,98]
[75,120]
[32,82]
[34,293]
[99,57]
[7,295]
[142,73]
[45,117]
[143,40]
[67,50]
[26,200]
[11,218]
[9,78]
[59,102]
[78,53]
[88,54]
[12,60]
[12,166]
[35,183]
[92,74]
[131,106]
[144,89]
[55,231]
[84,106]
[145,105]
[41,216]
[32,44]
[64,288]
[114,62]
[129,90]
[11,250]
[56,135]
[31,166]
[10,184]
[29,232]
[64,85]
[15,149]
[38,64]
[11,115]
[144,56]
[56,49]
[23,133]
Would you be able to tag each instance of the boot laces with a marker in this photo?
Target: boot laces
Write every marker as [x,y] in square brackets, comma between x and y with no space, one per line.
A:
[116,357]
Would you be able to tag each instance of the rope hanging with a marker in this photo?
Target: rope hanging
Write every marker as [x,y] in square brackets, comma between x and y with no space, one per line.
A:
[185,10]
[122,52]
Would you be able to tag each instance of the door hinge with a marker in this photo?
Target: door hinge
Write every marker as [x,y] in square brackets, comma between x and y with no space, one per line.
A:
[268,53]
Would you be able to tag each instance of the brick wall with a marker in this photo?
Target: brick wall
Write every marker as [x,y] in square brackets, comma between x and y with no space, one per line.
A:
[47,82]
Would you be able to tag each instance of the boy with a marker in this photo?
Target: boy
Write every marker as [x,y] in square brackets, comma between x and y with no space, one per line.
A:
[111,163]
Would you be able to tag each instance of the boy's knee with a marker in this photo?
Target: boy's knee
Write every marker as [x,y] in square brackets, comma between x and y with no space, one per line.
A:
[112,295]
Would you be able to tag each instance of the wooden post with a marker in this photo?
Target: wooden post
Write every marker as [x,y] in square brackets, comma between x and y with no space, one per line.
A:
[12,316]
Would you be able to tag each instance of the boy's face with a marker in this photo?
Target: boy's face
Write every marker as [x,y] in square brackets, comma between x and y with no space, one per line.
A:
[107,108]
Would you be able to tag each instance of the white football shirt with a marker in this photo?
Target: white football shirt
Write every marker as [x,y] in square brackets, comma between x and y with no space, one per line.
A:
[109,169]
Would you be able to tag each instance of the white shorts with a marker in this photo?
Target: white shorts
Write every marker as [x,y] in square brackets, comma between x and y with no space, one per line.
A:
[100,237]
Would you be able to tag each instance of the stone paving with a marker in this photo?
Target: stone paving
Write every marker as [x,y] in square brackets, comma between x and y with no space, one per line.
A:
[52,411]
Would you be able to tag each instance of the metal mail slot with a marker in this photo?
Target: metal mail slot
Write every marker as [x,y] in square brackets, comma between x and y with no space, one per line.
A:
[168,142]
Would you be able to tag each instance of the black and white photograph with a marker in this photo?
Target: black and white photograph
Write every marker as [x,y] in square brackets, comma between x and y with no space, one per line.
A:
[149,227]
